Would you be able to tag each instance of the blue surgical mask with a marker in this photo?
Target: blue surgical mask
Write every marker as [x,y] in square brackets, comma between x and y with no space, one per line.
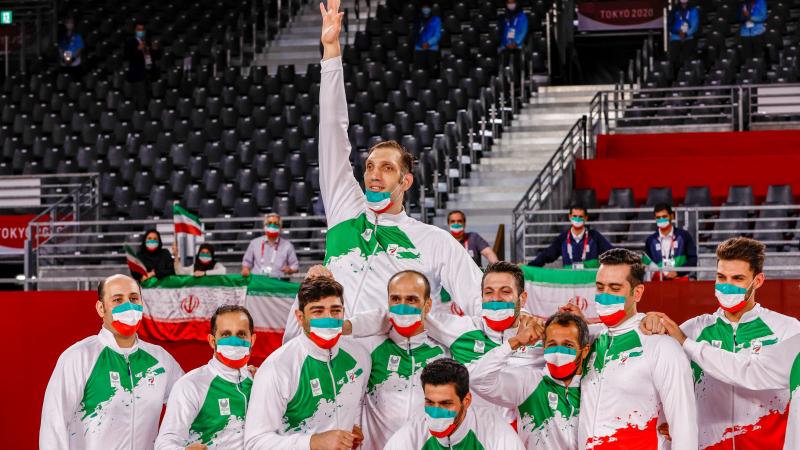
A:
[140,35]
[426,11]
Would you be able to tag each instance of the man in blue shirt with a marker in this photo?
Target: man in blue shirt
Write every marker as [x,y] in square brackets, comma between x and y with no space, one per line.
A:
[70,49]
[752,17]
[578,246]
[428,32]
[684,23]
[670,247]
[512,36]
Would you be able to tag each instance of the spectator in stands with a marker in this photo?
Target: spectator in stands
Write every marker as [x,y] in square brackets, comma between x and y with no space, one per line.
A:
[204,263]
[428,31]
[156,259]
[472,242]
[269,254]
[670,246]
[70,50]
[141,58]
[578,246]
[752,15]
[684,23]
[513,32]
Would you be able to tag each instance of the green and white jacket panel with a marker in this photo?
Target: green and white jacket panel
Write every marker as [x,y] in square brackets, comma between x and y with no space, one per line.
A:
[207,405]
[478,431]
[750,410]
[101,396]
[394,391]
[364,248]
[547,408]
[775,367]
[629,382]
[302,389]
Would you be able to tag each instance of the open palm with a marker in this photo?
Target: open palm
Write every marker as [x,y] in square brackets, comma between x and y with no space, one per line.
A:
[331,22]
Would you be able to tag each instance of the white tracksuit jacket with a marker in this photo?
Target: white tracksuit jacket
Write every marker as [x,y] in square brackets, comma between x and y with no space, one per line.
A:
[629,380]
[103,397]
[548,409]
[775,367]
[302,389]
[750,420]
[478,431]
[394,391]
[207,405]
[363,250]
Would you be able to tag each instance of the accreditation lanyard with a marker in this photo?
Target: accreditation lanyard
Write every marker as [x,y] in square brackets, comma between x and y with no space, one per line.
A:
[274,252]
[672,246]
[585,245]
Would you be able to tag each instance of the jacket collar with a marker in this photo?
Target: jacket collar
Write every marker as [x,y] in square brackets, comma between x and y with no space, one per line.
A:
[576,380]
[413,341]
[461,432]
[629,324]
[387,219]
[498,337]
[315,351]
[749,316]
[228,373]
[106,338]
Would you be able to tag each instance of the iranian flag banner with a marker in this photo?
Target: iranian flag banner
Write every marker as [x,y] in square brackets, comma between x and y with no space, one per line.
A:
[134,263]
[549,289]
[186,222]
[179,307]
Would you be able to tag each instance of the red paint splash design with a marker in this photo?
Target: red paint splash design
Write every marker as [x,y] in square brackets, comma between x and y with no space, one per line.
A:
[768,433]
[631,437]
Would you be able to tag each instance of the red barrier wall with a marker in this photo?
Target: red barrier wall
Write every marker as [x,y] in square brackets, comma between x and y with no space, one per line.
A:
[682,145]
[681,160]
[41,325]
[758,171]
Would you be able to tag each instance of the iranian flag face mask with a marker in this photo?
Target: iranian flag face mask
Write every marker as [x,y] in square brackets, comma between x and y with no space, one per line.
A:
[325,332]
[499,316]
[233,351]
[732,298]
[610,308]
[457,230]
[561,361]
[125,318]
[380,202]
[405,319]
[441,422]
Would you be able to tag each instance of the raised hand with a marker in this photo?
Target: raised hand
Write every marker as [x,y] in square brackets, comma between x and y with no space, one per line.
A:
[671,327]
[651,324]
[331,28]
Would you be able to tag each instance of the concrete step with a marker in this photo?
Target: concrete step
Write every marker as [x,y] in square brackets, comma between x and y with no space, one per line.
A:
[531,138]
[499,197]
[490,188]
[572,90]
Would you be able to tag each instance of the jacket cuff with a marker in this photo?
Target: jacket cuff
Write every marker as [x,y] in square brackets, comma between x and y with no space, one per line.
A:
[331,65]
[692,348]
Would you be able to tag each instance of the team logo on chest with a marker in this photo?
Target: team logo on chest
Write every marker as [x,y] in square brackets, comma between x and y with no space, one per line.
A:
[552,399]
[755,346]
[316,388]
[394,363]
[224,407]
[623,358]
[479,347]
[392,249]
[351,375]
[114,378]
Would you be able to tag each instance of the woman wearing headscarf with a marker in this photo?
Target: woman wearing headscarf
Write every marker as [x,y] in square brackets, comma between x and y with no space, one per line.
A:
[205,263]
[156,259]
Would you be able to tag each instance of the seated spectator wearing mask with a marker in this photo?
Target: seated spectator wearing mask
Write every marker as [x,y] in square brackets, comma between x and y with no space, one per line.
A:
[578,247]
[204,263]
[684,23]
[156,259]
[428,32]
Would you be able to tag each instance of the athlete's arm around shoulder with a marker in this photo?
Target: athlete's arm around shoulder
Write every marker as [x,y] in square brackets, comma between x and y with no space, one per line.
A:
[672,378]
[458,272]
[64,392]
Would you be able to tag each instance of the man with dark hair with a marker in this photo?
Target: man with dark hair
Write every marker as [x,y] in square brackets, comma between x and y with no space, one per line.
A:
[107,390]
[546,399]
[393,394]
[308,393]
[475,245]
[578,247]
[670,246]
[740,326]
[449,422]
[632,379]
[207,406]
[370,236]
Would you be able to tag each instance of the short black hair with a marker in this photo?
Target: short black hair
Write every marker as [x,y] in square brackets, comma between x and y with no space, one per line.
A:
[224,309]
[506,267]
[317,288]
[566,319]
[575,206]
[623,256]
[418,274]
[457,211]
[662,207]
[447,371]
